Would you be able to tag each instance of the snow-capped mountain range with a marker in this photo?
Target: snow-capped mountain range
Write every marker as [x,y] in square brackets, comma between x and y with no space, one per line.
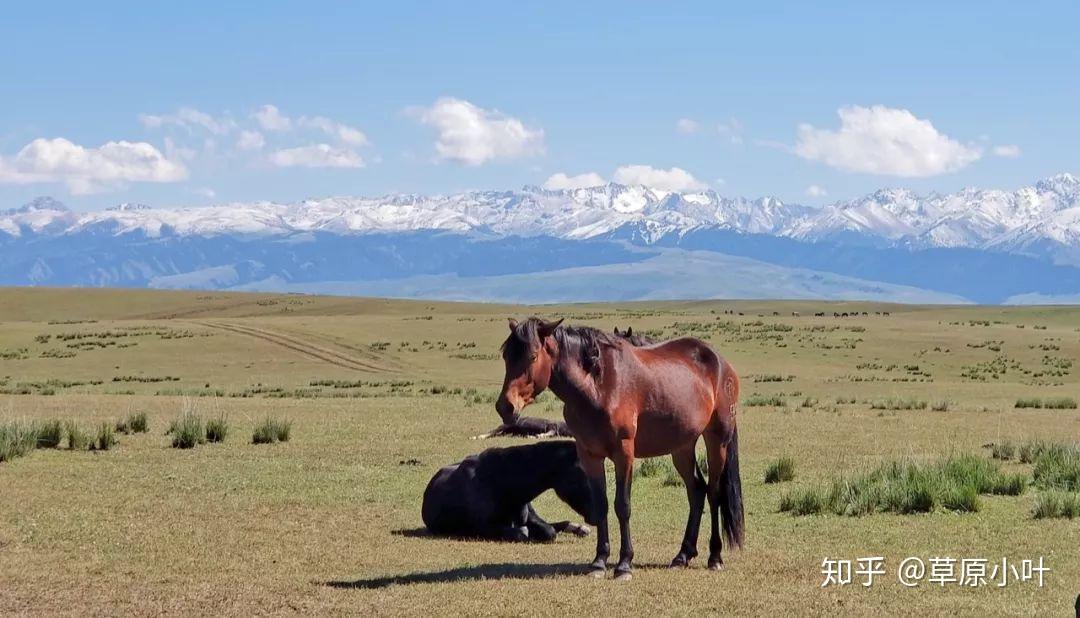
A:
[609,242]
[1041,220]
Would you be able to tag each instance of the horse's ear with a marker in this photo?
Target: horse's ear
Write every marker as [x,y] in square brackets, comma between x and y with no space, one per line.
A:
[617,331]
[545,329]
[629,331]
[513,324]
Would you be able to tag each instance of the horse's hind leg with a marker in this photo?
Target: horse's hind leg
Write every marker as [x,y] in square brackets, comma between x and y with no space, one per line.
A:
[716,446]
[572,527]
[510,533]
[686,463]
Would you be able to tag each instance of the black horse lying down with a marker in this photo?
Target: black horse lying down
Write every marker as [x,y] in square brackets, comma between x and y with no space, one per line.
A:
[488,495]
[528,427]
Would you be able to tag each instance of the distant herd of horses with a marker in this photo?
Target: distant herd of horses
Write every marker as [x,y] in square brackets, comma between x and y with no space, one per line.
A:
[624,397]
[819,314]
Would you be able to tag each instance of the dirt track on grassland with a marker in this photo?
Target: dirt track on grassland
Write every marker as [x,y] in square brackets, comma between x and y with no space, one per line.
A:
[310,350]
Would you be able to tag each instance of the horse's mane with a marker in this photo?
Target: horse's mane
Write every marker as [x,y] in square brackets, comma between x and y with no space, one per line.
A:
[580,344]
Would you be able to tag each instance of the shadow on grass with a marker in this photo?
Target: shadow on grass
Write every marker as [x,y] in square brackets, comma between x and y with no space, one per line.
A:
[505,570]
[470,573]
[424,533]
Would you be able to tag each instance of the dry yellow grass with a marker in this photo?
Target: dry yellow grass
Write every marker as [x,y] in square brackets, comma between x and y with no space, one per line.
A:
[326,523]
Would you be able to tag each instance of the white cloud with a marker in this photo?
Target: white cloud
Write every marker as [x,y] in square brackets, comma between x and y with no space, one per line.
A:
[250,140]
[343,133]
[89,170]
[271,119]
[674,179]
[471,135]
[732,129]
[687,126]
[189,118]
[317,155]
[581,181]
[1009,151]
[884,140]
[175,152]
[816,191]
[205,192]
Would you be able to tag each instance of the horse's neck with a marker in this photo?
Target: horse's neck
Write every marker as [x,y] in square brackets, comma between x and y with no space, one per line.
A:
[575,386]
[526,479]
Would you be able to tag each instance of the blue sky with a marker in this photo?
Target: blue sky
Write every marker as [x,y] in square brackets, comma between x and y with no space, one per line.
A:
[442,97]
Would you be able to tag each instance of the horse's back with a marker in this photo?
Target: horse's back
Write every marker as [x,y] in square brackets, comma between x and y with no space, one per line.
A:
[690,355]
[689,350]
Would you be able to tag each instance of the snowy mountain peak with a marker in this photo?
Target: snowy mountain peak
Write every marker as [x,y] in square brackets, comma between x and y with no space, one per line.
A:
[43,203]
[1040,219]
[1062,184]
[130,206]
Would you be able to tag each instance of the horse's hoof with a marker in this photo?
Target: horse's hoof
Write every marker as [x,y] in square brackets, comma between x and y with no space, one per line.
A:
[716,565]
[579,529]
[623,576]
[680,562]
[597,573]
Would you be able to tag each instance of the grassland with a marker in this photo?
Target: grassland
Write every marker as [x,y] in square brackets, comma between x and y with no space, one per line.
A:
[378,394]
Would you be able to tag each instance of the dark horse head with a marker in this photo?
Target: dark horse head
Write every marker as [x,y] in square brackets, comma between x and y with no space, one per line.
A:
[633,338]
[531,354]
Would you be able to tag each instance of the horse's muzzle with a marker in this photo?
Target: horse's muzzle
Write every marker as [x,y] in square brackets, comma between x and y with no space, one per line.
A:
[506,410]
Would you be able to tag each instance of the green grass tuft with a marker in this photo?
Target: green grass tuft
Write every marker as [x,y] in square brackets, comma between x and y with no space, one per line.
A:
[134,423]
[1003,450]
[49,434]
[106,437]
[654,466]
[780,471]
[77,439]
[897,403]
[187,431]
[762,400]
[1010,484]
[270,431]
[16,440]
[1030,450]
[1060,403]
[672,478]
[1058,467]
[217,429]
[1057,504]
[908,487]
[960,498]
[1056,403]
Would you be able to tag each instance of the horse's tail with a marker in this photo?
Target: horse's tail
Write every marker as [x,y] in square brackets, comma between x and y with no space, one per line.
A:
[731,505]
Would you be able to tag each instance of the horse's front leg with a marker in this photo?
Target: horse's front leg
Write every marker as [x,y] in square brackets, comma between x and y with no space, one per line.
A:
[594,470]
[624,478]
[539,530]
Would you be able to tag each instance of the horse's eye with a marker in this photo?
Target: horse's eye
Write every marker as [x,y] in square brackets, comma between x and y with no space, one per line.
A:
[532,358]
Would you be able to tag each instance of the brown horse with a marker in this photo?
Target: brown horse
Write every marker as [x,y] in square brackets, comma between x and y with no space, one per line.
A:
[623,402]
